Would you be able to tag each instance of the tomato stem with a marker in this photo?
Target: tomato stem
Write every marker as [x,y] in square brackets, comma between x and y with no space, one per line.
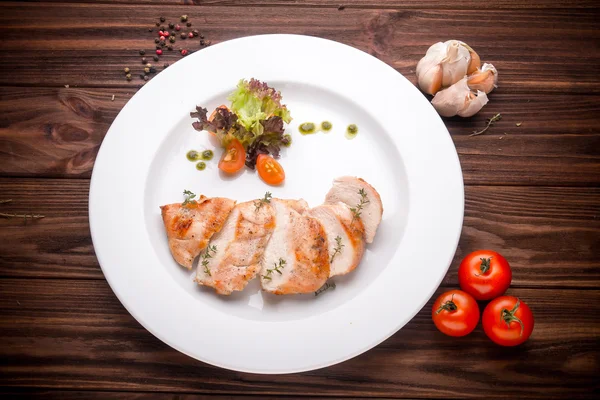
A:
[449,306]
[484,266]
[509,316]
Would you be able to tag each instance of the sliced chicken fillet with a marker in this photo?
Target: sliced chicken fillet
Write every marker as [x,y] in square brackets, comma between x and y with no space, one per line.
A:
[345,236]
[189,227]
[234,255]
[354,192]
[296,259]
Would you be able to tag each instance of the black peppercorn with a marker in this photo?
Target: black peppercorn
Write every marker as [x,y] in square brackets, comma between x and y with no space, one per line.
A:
[158,24]
[183,35]
[162,28]
[155,58]
[152,70]
[158,46]
[149,29]
[142,52]
[143,60]
[165,65]
[162,19]
[202,42]
[188,24]
[156,40]
[146,77]
[171,25]
[195,32]
[142,76]
[170,47]
[201,36]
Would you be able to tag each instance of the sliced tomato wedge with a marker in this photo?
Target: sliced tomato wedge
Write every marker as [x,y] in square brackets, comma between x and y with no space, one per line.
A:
[233,157]
[269,170]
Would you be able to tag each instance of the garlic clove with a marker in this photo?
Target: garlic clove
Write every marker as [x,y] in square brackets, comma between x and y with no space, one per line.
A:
[458,99]
[475,61]
[484,79]
[474,104]
[456,62]
[429,70]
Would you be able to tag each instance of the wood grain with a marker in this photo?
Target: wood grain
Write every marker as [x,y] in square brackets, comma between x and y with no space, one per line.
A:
[550,235]
[86,45]
[347,4]
[558,142]
[76,335]
[99,395]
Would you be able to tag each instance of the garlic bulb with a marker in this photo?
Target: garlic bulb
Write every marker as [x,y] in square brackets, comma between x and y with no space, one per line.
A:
[484,79]
[443,65]
[475,61]
[458,99]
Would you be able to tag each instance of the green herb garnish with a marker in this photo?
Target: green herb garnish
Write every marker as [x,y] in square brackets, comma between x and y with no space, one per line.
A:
[259,203]
[277,268]
[358,209]
[188,197]
[337,249]
[490,122]
[206,256]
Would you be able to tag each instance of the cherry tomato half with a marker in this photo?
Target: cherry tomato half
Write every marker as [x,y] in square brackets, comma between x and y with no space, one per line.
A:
[507,321]
[269,170]
[484,274]
[233,157]
[455,313]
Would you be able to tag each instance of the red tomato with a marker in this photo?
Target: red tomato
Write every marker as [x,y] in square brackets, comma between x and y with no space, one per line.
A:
[455,313]
[233,157]
[269,170]
[507,321]
[484,274]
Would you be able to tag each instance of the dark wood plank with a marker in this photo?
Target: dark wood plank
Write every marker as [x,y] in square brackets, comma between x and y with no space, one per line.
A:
[558,142]
[347,4]
[76,335]
[549,235]
[85,45]
[93,395]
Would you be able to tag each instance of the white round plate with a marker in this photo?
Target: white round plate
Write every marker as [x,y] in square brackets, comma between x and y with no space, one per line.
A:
[403,149]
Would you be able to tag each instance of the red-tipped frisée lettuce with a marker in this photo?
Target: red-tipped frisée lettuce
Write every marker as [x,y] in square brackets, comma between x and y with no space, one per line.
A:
[256,119]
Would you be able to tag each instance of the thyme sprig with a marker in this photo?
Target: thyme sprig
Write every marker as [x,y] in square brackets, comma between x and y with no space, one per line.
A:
[358,209]
[325,287]
[490,122]
[261,202]
[277,268]
[337,249]
[206,256]
[188,197]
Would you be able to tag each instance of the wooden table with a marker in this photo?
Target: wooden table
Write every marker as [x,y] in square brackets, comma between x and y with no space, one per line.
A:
[532,192]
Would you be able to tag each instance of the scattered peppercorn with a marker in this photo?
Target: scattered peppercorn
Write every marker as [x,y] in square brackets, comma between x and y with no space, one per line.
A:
[190,35]
[202,42]
[195,32]
[171,25]
[159,52]
[184,52]
[183,18]
[148,65]
[188,24]
[152,70]
[170,47]
[165,65]
[147,70]
[162,19]
[177,27]
[201,36]
[156,40]
[126,70]
[158,46]
[149,29]
[144,60]
[142,52]
[183,36]
[172,39]
[146,77]
[158,24]
[142,76]
[128,77]
[162,28]
[166,33]
[155,58]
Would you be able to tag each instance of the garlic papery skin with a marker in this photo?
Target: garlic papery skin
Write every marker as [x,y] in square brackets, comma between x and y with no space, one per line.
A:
[484,79]
[443,65]
[458,99]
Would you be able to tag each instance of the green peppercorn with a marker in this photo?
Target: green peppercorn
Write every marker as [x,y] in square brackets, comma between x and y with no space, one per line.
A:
[148,65]
[172,39]
[147,70]
[142,52]
[126,70]
[128,76]
[183,18]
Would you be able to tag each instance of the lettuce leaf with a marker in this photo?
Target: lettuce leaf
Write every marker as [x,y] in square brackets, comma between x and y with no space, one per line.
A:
[254,101]
[269,142]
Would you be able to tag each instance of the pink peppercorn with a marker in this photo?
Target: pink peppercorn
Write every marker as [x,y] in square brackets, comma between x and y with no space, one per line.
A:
[177,28]
[184,52]
[162,38]
[190,35]
[161,33]
[158,52]
[166,33]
